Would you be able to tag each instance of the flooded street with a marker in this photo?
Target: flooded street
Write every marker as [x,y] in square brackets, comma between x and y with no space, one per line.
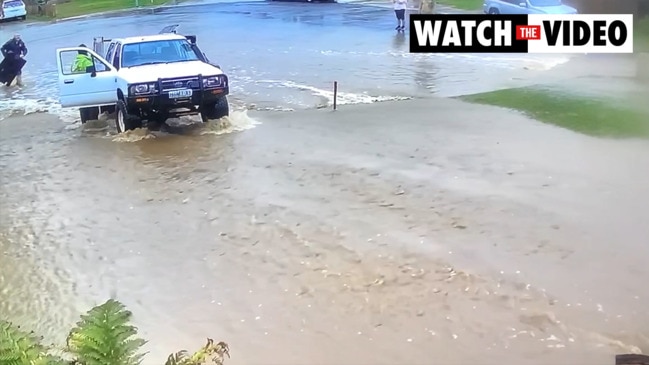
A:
[406,231]
[291,61]
[329,238]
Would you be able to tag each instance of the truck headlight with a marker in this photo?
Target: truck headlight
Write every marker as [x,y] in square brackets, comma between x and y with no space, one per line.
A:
[214,81]
[139,89]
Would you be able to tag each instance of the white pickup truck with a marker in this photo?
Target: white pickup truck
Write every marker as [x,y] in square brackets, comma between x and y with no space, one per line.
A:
[150,78]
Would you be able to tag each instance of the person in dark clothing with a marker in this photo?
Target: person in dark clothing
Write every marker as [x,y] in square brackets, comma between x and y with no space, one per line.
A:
[15,48]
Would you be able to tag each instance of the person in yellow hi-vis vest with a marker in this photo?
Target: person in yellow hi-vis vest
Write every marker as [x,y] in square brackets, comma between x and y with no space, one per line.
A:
[427,6]
[82,62]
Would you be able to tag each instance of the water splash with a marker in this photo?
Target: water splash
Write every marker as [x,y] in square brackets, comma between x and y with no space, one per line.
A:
[134,135]
[327,96]
[237,121]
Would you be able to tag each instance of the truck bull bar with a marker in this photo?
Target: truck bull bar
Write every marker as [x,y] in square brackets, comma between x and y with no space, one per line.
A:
[201,87]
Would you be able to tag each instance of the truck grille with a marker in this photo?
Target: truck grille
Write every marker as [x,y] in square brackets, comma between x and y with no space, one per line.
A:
[183,83]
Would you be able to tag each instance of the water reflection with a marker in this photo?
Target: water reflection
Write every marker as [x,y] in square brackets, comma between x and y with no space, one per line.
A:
[309,19]
[399,42]
[425,73]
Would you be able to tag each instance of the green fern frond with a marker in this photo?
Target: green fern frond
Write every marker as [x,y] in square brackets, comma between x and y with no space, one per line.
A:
[179,358]
[104,336]
[55,360]
[18,347]
[210,353]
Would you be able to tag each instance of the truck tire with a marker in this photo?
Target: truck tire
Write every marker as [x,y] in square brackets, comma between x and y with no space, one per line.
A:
[216,110]
[87,114]
[124,121]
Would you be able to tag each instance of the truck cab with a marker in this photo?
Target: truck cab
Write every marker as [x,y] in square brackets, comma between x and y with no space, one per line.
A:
[145,78]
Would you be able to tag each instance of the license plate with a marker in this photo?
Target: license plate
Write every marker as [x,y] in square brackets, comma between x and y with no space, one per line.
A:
[177,94]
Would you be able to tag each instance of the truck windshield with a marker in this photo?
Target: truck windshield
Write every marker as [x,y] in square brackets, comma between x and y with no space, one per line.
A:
[165,51]
[12,4]
[545,2]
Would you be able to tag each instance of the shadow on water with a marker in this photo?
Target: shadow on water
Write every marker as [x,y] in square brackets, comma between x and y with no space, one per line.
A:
[399,42]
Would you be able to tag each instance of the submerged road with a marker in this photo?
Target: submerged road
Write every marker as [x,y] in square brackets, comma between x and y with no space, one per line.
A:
[399,232]
[336,238]
[287,55]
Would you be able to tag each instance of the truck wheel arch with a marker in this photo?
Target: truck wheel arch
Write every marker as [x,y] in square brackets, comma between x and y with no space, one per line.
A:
[120,95]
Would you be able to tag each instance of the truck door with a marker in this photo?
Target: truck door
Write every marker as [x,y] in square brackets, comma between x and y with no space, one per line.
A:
[84,84]
[117,56]
[110,51]
[512,7]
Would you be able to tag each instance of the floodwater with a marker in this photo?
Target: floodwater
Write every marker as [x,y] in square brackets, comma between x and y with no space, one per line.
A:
[407,231]
[286,56]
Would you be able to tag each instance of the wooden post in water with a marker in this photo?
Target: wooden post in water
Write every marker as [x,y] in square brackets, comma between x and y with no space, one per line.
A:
[335,93]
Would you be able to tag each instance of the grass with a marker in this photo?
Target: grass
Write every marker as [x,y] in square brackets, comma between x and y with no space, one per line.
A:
[600,118]
[83,7]
[641,35]
[37,18]
[463,4]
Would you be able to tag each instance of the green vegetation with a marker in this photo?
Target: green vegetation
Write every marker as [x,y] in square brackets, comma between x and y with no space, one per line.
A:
[463,4]
[602,118]
[37,18]
[641,35]
[103,336]
[83,7]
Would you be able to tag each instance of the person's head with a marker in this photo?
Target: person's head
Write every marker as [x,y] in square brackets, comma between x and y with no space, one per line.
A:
[83,52]
[16,37]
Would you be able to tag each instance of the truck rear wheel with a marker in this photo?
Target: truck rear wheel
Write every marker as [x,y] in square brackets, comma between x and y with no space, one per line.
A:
[124,121]
[216,110]
[87,114]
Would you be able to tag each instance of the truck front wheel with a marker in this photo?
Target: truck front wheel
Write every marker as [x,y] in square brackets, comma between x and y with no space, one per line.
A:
[216,110]
[125,121]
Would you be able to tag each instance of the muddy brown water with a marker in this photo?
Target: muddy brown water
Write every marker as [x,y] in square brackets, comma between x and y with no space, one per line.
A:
[425,231]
